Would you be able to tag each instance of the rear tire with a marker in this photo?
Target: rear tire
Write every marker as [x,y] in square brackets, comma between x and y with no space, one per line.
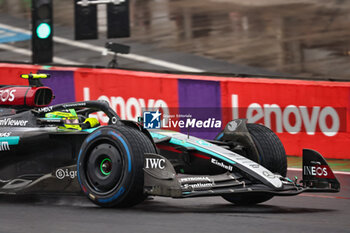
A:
[110,166]
[271,155]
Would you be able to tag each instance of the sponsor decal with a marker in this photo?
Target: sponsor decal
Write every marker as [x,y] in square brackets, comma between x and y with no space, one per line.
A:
[53,120]
[232,126]
[255,165]
[10,122]
[321,171]
[197,179]
[6,134]
[269,174]
[155,163]
[45,109]
[6,142]
[74,105]
[61,174]
[221,164]
[4,146]
[198,185]
[7,95]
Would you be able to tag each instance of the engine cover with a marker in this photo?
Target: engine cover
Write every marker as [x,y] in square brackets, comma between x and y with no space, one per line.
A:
[25,96]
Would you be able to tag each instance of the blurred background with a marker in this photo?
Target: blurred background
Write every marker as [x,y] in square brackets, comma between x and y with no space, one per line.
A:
[308,38]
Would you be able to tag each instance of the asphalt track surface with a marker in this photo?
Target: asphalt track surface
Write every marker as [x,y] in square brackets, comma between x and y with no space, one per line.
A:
[309,212]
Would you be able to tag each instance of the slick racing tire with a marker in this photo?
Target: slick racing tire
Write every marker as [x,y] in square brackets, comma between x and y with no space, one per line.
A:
[271,155]
[271,150]
[110,166]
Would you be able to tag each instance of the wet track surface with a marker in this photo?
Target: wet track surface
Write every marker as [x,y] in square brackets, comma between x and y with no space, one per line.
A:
[304,213]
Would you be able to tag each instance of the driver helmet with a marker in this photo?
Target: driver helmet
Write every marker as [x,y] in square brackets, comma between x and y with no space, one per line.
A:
[70,118]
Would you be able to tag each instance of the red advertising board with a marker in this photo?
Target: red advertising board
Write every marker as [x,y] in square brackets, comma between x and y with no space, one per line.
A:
[304,114]
[10,73]
[129,93]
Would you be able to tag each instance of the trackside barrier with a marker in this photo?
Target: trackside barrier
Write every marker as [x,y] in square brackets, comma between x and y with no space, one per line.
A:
[304,114]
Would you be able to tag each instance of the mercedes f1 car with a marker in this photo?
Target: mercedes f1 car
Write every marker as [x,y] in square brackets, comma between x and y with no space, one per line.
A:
[62,148]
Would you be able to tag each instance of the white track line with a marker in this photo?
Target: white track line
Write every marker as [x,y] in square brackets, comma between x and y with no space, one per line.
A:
[335,172]
[28,52]
[100,49]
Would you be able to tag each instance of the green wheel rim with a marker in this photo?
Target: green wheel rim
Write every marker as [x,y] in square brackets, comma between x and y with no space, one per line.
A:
[101,166]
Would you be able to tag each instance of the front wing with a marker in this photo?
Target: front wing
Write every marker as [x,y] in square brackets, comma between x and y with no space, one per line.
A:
[162,180]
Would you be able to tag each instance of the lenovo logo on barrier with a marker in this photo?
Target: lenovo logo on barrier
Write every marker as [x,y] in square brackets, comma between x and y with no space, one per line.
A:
[129,109]
[291,118]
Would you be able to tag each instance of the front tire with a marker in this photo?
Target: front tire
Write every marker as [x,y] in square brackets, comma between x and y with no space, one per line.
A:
[110,166]
[271,150]
[271,155]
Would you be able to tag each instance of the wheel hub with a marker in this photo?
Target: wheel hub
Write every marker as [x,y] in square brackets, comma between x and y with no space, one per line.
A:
[106,166]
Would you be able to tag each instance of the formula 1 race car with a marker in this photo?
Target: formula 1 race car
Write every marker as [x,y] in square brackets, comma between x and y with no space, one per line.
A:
[64,149]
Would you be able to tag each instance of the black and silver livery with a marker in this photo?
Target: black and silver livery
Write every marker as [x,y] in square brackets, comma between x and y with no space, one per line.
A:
[119,163]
